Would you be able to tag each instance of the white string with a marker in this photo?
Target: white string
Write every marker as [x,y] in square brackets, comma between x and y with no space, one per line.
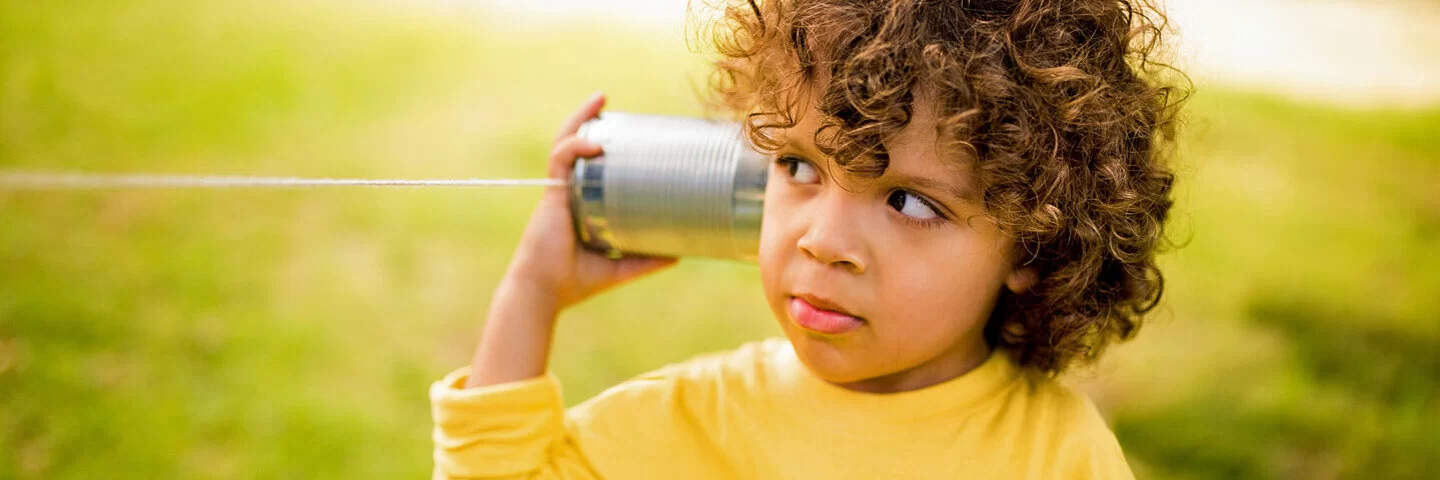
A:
[44,181]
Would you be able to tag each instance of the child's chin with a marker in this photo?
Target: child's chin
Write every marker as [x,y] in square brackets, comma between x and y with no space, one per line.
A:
[830,362]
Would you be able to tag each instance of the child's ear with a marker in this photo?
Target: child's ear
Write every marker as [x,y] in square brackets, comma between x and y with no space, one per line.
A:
[1021,279]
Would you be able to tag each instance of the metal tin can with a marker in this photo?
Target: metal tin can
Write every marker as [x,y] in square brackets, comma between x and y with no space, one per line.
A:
[668,186]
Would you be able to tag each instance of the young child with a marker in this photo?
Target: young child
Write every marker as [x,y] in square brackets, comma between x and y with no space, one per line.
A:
[965,200]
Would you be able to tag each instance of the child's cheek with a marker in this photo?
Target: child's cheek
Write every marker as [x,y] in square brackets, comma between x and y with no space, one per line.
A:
[769,230]
[778,236]
[775,214]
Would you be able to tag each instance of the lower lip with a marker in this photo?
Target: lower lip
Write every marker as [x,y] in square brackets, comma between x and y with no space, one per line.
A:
[822,321]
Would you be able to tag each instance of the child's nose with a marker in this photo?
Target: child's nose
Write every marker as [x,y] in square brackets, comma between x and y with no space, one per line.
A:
[833,235]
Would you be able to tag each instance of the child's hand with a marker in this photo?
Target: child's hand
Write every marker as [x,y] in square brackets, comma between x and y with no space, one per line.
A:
[550,271]
[549,260]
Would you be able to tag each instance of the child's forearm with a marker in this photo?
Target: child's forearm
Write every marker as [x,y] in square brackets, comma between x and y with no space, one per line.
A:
[548,272]
[515,344]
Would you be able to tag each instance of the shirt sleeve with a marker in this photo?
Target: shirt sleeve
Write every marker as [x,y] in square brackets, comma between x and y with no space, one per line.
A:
[1092,452]
[509,430]
[1101,459]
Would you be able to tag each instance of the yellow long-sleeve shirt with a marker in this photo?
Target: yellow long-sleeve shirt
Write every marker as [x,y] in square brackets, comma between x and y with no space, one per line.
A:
[757,413]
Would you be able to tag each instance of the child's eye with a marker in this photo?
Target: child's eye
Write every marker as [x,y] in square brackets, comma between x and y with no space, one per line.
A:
[911,205]
[800,171]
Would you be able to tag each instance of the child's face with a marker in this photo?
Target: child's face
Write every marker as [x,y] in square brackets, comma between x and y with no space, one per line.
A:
[908,255]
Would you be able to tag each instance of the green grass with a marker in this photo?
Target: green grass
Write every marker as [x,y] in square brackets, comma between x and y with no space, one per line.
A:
[1298,337]
[288,333]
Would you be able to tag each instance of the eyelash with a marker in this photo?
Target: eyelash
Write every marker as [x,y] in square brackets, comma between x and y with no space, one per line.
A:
[787,162]
[927,223]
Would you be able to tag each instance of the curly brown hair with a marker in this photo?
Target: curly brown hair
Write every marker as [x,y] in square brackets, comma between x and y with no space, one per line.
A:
[1063,107]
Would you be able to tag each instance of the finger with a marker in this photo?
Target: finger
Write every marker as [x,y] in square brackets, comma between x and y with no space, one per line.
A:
[630,268]
[562,157]
[588,110]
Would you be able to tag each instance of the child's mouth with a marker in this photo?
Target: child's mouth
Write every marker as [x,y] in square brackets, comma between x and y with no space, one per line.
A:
[820,320]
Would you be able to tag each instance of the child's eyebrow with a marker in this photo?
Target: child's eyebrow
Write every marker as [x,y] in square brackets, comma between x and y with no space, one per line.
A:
[798,142]
[962,192]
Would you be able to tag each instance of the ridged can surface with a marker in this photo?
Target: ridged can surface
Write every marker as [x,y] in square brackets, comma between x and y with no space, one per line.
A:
[671,186]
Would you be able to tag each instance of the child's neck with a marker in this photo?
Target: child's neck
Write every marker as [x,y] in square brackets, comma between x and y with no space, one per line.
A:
[955,362]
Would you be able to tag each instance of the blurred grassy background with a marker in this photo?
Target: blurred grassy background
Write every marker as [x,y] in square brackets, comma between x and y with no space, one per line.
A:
[293,333]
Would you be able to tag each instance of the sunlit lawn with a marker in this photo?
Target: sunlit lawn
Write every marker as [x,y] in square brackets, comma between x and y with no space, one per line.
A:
[294,333]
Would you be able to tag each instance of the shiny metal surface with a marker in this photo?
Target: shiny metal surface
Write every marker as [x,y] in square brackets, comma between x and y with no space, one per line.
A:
[670,186]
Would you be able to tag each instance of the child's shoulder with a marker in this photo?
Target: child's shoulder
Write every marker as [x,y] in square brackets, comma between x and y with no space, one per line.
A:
[700,379]
[747,362]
